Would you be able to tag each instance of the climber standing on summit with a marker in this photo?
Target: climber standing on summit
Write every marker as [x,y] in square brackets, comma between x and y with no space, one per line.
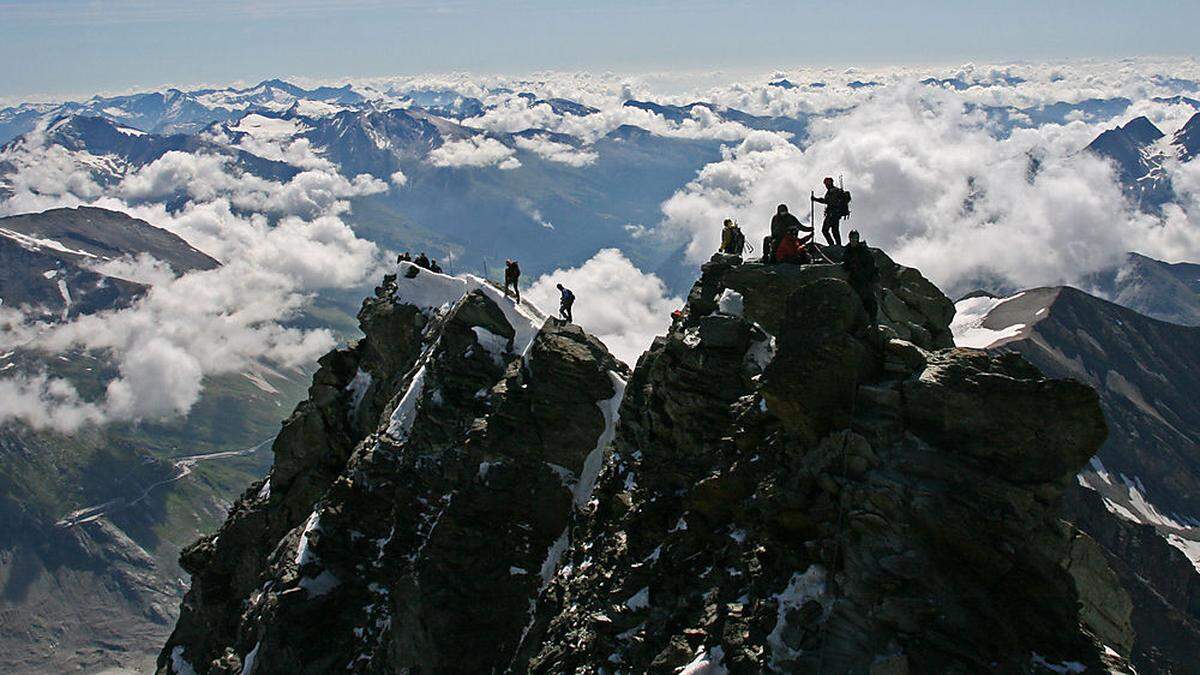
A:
[512,277]
[859,263]
[837,206]
[564,304]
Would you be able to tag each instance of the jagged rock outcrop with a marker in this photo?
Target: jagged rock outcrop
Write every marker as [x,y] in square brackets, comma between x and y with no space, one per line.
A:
[739,523]
[416,495]
[788,489]
[1139,495]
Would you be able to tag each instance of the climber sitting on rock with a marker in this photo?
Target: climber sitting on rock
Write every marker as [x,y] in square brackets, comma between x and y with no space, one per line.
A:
[781,223]
[859,263]
[791,248]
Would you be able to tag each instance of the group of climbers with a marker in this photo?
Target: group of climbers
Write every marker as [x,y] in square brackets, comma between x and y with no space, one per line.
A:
[423,261]
[786,245]
[512,279]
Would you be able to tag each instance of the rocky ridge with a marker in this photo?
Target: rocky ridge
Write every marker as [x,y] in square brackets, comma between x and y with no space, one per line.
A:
[418,497]
[788,489]
[740,525]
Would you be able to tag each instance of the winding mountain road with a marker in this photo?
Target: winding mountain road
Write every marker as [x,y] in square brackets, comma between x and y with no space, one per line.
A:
[183,468]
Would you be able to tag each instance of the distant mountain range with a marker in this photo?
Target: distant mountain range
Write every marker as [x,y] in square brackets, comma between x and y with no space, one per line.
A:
[1139,156]
[174,111]
[1164,291]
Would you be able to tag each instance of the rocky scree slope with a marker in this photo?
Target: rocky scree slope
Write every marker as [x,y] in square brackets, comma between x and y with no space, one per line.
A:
[793,491]
[418,499]
[789,489]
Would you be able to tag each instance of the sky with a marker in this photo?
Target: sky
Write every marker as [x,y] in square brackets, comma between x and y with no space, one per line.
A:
[55,48]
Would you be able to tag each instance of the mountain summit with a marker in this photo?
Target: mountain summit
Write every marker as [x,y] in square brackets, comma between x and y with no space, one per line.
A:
[778,486]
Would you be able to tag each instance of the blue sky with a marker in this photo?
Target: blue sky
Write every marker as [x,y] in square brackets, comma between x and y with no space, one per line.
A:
[59,47]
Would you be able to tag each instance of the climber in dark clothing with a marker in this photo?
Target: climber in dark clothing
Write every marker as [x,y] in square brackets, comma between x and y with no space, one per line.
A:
[781,222]
[512,277]
[837,206]
[422,260]
[403,258]
[564,305]
[434,266]
[860,266]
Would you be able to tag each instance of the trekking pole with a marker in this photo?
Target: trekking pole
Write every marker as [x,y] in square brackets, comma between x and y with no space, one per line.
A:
[842,187]
[812,212]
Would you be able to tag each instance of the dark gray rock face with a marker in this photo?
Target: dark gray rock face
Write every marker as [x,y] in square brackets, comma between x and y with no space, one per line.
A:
[1160,580]
[1139,168]
[417,499]
[789,489]
[739,521]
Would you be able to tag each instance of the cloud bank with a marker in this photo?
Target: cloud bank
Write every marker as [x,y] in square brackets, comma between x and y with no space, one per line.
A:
[939,190]
[615,301]
[279,243]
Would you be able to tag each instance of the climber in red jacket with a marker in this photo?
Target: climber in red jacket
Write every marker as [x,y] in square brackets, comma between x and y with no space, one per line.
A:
[792,248]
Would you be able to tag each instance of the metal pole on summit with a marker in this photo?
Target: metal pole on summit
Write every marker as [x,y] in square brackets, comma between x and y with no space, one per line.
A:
[812,213]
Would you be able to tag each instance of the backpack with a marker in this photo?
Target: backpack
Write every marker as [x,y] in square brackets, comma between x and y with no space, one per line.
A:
[840,203]
[739,242]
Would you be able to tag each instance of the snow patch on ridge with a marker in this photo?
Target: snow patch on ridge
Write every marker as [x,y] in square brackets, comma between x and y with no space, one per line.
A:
[262,127]
[405,413]
[801,589]
[708,661]
[30,243]
[1190,548]
[731,303]
[358,388]
[304,553]
[595,459]
[495,345]
[180,664]
[969,316]
[435,291]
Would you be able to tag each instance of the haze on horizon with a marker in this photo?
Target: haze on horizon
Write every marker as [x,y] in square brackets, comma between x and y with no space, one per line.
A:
[80,47]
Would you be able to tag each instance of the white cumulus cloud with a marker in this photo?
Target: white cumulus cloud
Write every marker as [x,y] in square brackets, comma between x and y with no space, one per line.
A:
[615,301]
[553,151]
[475,151]
[934,186]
